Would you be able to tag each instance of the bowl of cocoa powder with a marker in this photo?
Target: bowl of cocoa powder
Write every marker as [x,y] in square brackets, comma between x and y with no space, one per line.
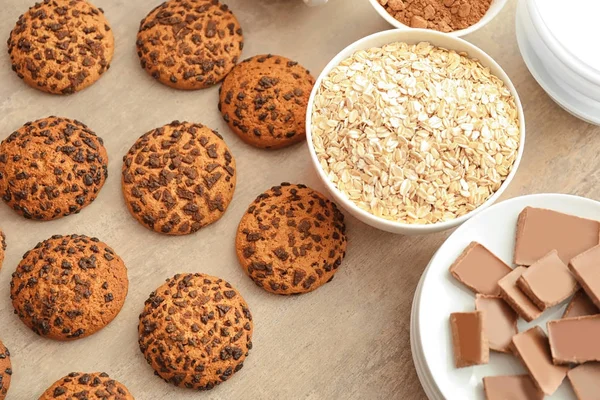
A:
[454,17]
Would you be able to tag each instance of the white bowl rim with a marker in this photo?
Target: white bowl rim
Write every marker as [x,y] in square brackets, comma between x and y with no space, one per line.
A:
[390,225]
[487,17]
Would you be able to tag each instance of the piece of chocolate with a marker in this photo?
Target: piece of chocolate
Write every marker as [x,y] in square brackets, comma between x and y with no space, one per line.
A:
[539,231]
[515,298]
[479,269]
[533,350]
[575,340]
[548,281]
[585,380]
[516,387]
[499,322]
[586,268]
[580,306]
[468,338]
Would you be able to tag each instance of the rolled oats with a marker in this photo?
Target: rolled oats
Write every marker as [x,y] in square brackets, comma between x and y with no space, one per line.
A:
[415,133]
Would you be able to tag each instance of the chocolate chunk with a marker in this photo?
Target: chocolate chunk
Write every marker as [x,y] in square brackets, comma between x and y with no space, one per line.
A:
[479,269]
[468,339]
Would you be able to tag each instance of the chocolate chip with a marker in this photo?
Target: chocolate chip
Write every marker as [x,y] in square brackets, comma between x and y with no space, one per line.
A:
[299,276]
[223,309]
[281,253]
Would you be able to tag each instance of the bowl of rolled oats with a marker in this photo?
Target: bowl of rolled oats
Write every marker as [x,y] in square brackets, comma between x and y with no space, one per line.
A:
[414,131]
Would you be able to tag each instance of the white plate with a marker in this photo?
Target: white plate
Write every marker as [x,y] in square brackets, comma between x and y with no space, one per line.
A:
[441,295]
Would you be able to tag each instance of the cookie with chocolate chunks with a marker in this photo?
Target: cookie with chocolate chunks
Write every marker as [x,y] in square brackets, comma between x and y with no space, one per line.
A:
[5,371]
[291,240]
[51,168]
[195,331]
[264,101]
[69,287]
[61,46]
[2,247]
[189,44]
[92,386]
[178,178]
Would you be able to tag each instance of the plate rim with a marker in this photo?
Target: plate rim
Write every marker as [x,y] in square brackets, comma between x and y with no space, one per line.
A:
[423,373]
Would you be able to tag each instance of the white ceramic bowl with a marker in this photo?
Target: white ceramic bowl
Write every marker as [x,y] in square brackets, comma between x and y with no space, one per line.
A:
[411,36]
[491,13]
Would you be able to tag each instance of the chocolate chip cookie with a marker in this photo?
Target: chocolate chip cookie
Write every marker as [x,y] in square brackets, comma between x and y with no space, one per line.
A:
[5,371]
[189,44]
[291,240]
[2,247]
[69,287]
[178,178]
[195,331]
[61,46]
[264,101]
[92,386]
[51,168]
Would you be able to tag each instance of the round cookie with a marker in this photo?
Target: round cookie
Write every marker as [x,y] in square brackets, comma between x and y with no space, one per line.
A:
[2,247]
[51,168]
[178,178]
[291,240]
[195,331]
[189,44]
[5,371]
[92,386]
[69,287]
[61,46]
[264,101]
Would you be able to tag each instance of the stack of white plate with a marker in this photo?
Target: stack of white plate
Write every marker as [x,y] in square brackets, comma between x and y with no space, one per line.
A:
[438,295]
[429,386]
[559,43]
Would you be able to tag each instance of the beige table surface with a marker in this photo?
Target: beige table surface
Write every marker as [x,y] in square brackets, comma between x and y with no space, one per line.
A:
[349,339]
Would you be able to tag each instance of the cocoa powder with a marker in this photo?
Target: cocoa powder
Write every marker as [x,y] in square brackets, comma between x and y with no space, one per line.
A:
[441,15]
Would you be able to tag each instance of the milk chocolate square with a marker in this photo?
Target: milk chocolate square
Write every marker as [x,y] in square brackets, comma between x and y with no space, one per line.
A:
[515,298]
[479,269]
[586,268]
[499,322]
[516,387]
[539,231]
[575,340]
[468,339]
[585,380]
[580,306]
[533,350]
[548,281]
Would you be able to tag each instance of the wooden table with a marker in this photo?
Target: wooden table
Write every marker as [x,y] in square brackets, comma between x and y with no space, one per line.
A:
[349,339]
